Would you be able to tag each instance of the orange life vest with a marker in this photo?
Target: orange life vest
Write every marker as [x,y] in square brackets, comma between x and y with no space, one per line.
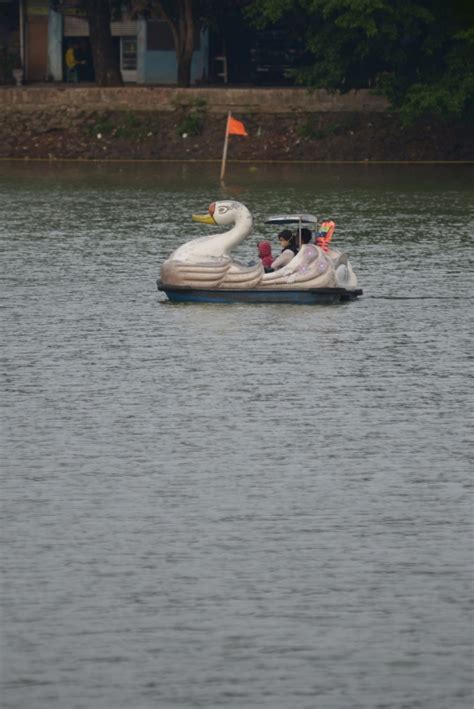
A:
[326,231]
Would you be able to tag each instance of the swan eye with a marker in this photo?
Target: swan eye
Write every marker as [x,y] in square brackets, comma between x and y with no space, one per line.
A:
[223,210]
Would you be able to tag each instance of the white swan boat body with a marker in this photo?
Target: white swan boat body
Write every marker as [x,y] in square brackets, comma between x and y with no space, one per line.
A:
[203,269]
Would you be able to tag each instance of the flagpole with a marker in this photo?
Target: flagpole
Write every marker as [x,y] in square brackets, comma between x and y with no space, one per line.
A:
[224,152]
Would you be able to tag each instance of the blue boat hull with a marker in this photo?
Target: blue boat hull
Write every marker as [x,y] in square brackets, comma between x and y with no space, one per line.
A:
[312,296]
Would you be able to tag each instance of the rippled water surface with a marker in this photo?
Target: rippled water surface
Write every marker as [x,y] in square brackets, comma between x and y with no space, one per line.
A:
[235,506]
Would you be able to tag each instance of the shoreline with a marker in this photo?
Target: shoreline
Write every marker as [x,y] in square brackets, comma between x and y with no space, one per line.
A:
[196,161]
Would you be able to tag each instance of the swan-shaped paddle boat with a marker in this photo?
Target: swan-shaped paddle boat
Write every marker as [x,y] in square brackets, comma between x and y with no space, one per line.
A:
[203,270]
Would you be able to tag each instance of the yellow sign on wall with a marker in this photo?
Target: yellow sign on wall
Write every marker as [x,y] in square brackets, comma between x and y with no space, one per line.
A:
[37,7]
[70,8]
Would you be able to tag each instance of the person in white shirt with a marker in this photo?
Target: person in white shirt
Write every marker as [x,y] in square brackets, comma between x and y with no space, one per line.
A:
[288,249]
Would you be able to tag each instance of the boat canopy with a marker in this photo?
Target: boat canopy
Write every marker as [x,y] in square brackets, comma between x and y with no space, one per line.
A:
[292,219]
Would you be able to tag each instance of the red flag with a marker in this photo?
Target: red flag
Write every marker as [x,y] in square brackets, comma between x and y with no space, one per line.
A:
[235,127]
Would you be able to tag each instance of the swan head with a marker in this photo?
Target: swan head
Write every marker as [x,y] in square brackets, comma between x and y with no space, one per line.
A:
[217,246]
[224,213]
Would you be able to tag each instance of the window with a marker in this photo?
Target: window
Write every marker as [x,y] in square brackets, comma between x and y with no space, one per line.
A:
[128,46]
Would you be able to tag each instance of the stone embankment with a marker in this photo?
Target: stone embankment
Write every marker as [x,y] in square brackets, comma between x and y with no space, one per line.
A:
[162,123]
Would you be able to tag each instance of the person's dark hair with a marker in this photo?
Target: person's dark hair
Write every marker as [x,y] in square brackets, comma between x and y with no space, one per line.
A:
[290,238]
[305,235]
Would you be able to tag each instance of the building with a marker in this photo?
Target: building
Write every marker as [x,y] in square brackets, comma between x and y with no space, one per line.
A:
[145,47]
[233,53]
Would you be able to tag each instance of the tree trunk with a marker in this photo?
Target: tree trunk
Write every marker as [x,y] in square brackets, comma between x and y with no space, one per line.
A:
[106,59]
[184,53]
[184,67]
[181,22]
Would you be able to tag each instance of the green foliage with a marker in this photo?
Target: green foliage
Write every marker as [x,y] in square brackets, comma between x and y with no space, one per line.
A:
[102,125]
[125,126]
[443,99]
[192,115]
[418,53]
[265,12]
[314,131]
[447,89]
[131,128]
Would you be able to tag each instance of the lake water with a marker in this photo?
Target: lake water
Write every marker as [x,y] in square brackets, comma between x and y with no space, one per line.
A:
[235,506]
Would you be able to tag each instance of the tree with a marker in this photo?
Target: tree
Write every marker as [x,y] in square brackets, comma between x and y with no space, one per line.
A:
[181,16]
[106,60]
[99,14]
[418,53]
[184,18]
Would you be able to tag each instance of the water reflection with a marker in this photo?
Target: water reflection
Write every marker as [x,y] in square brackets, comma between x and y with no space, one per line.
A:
[400,179]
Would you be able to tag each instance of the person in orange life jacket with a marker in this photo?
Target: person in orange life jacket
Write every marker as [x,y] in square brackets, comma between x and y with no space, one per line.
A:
[265,255]
[288,249]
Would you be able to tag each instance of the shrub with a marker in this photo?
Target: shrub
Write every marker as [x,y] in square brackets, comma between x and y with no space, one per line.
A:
[192,116]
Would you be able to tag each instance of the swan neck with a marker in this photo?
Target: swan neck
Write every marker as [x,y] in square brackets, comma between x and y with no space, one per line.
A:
[237,234]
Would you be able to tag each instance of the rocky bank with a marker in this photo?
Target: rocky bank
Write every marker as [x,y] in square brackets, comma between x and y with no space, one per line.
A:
[73,133]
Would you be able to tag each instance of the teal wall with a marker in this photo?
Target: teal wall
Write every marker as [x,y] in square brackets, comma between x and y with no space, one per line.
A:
[162,67]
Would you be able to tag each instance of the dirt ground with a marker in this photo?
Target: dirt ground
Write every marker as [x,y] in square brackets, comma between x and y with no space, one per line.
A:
[148,135]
